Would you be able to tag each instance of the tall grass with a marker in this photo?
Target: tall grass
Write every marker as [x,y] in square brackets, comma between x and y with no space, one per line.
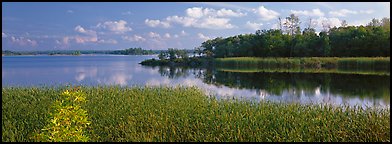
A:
[68,120]
[187,114]
[358,63]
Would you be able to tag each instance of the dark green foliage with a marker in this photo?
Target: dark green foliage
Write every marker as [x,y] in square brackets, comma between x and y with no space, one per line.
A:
[133,51]
[346,41]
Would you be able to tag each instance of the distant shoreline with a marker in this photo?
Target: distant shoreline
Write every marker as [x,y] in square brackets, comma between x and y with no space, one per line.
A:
[81,55]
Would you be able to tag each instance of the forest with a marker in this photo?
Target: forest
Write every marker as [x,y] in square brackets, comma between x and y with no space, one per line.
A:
[372,40]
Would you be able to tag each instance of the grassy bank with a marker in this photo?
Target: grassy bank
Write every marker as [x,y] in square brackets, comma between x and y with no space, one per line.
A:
[305,70]
[186,114]
[353,63]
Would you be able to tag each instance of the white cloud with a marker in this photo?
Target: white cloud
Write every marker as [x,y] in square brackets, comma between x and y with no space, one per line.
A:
[266,14]
[185,21]
[203,37]
[229,13]
[167,35]
[154,35]
[117,27]
[70,11]
[332,22]
[85,39]
[80,29]
[175,36]
[214,23]
[197,12]
[136,38]
[359,23]
[366,11]
[253,26]
[23,41]
[208,23]
[109,41]
[345,12]
[314,12]
[3,35]
[342,13]
[156,23]
[207,18]
[225,5]
[90,35]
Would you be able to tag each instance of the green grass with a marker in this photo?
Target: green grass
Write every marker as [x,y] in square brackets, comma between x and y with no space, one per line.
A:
[187,114]
[353,63]
[304,70]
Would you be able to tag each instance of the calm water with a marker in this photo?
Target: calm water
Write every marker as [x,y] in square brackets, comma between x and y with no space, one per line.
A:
[336,89]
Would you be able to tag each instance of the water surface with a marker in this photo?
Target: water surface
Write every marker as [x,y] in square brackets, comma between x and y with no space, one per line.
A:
[326,88]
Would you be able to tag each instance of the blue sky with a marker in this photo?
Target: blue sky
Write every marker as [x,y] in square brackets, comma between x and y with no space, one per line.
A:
[160,25]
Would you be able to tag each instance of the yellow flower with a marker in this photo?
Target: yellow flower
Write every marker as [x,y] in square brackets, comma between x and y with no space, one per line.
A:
[66,92]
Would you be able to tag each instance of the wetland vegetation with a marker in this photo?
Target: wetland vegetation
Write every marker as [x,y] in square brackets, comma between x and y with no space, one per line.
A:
[185,114]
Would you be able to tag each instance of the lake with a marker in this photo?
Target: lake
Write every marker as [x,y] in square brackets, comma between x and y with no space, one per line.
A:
[325,88]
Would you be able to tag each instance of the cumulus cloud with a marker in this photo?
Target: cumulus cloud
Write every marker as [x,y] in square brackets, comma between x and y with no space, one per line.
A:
[366,11]
[342,13]
[253,26]
[157,23]
[332,22]
[314,12]
[22,41]
[208,22]
[345,12]
[109,41]
[85,39]
[167,35]
[80,29]
[229,13]
[202,36]
[118,27]
[154,35]
[70,11]
[89,35]
[199,17]
[214,23]
[266,14]
[136,38]
[185,21]
[3,35]
[199,12]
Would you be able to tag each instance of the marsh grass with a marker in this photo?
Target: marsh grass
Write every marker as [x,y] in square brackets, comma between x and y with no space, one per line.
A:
[68,119]
[351,63]
[304,70]
[187,114]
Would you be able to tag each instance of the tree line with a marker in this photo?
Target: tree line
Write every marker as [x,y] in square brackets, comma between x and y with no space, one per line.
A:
[288,40]
[132,51]
[129,51]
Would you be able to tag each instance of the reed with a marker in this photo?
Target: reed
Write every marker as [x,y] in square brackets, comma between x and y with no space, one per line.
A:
[352,63]
[186,114]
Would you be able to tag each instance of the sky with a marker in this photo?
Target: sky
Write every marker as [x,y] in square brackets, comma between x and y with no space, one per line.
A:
[37,26]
